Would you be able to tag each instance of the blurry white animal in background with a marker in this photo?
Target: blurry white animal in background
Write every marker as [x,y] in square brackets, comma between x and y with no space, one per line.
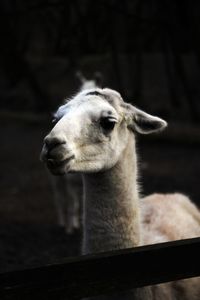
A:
[67,193]
[67,189]
[95,82]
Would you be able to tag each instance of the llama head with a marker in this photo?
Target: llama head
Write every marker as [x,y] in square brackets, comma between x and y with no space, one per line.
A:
[92,130]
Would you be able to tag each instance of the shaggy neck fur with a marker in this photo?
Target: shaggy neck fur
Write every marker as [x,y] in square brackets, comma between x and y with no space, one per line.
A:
[111,214]
[111,218]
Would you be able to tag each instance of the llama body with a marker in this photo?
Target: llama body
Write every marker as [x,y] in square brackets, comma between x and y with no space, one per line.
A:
[95,135]
[168,217]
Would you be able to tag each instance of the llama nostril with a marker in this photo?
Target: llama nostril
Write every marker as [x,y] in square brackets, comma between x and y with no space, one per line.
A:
[51,143]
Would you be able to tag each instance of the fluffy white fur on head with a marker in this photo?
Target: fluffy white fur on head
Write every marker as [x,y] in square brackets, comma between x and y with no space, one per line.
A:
[94,127]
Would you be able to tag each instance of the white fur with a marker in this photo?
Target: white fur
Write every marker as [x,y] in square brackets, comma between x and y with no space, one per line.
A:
[114,216]
[66,188]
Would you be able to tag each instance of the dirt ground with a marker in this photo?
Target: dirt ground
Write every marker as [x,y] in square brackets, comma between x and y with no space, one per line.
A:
[29,234]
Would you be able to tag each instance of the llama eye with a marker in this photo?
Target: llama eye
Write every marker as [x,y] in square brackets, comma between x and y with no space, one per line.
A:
[107,123]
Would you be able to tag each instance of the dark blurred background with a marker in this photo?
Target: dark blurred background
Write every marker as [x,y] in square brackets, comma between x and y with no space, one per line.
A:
[147,50]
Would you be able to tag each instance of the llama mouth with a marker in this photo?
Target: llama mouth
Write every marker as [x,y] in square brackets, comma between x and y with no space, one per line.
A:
[53,164]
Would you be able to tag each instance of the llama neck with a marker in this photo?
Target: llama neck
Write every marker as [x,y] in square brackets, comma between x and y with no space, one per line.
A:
[111,214]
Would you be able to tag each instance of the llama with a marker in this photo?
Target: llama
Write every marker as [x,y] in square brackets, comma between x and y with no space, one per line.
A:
[95,82]
[95,136]
[66,194]
[67,188]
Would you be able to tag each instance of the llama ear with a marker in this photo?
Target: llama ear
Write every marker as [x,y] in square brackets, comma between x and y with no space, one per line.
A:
[142,122]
